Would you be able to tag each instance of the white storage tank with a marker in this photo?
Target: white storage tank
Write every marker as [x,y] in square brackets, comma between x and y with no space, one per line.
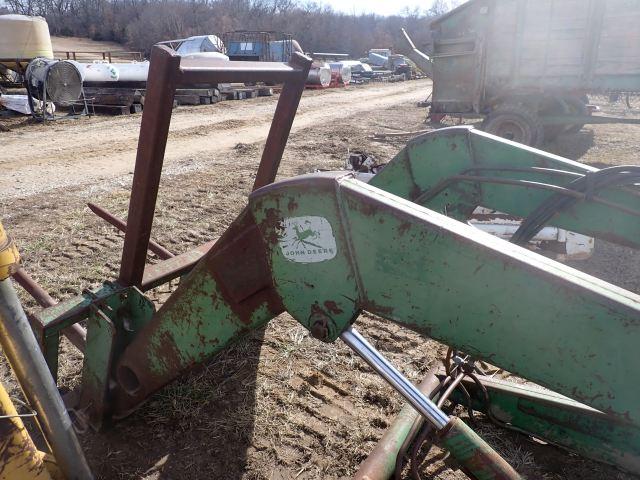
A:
[23,38]
[340,73]
[133,71]
[319,74]
[97,71]
[207,55]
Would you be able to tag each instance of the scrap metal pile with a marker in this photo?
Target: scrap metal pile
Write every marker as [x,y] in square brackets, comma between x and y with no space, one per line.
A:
[293,249]
[115,81]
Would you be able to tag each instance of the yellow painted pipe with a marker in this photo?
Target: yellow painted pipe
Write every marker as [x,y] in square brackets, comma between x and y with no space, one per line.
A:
[19,457]
[9,256]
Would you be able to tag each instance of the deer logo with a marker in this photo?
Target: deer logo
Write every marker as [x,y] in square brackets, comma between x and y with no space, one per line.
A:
[307,239]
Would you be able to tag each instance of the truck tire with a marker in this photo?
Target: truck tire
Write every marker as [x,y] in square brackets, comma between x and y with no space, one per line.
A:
[578,106]
[566,105]
[515,122]
[553,106]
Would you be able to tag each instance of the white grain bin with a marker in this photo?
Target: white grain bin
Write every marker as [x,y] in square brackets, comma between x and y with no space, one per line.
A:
[60,79]
[23,38]
[340,73]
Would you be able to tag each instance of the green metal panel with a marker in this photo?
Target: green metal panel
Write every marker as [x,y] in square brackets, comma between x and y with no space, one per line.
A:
[558,420]
[226,295]
[435,157]
[113,323]
[310,298]
[96,369]
[49,322]
[198,325]
[475,456]
[547,322]
[50,347]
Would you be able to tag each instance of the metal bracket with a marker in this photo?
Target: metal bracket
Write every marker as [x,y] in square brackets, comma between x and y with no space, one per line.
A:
[112,324]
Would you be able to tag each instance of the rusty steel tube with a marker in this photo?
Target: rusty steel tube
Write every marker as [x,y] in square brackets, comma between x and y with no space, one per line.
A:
[121,225]
[282,122]
[154,131]
[39,294]
[381,462]
[21,348]
[75,333]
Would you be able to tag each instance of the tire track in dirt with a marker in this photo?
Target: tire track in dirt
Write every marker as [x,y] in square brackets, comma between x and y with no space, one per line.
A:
[38,158]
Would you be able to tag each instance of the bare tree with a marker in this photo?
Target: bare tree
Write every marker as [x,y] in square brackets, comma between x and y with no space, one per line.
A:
[141,23]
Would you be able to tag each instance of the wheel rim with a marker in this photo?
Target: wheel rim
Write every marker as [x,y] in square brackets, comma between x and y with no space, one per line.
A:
[512,130]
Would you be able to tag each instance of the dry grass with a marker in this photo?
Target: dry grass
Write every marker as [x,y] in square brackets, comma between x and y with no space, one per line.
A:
[277,404]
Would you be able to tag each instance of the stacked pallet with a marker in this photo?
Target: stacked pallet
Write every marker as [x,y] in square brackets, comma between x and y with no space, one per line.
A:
[125,100]
[198,96]
[242,92]
[129,97]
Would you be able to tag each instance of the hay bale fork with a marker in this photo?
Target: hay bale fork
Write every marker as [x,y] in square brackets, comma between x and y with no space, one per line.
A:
[304,246]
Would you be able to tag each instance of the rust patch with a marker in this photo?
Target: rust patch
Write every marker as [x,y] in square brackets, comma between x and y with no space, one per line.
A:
[372,307]
[365,208]
[292,205]
[169,353]
[271,226]
[403,228]
[332,307]
[238,265]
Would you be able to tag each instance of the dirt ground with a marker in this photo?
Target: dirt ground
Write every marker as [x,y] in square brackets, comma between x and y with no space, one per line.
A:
[279,404]
[77,44]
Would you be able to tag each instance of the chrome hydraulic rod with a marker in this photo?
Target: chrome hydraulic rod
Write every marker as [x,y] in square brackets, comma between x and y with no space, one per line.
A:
[404,387]
[21,348]
[475,457]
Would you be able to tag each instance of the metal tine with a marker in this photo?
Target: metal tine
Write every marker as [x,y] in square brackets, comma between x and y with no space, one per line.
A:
[121,225]
[75,333]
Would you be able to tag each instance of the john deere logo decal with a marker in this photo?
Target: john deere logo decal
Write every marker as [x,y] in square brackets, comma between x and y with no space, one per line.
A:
[307,239]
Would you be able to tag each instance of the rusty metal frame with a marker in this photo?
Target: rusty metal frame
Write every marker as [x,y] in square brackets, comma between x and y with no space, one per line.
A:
[166,73]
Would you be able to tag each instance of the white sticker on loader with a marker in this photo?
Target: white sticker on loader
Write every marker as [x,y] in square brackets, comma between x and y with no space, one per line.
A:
[307,239]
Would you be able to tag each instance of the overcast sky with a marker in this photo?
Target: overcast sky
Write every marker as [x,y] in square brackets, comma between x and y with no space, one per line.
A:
[381,7]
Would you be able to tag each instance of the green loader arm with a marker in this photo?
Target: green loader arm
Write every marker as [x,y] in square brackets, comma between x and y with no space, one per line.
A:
[326,247]
[455,170]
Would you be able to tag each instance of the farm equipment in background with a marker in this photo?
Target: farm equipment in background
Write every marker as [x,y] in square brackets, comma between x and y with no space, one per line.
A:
[245,45]
[306,246]
[525,67]
[385,59]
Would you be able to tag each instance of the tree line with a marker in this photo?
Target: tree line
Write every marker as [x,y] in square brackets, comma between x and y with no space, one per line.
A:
[139,24]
